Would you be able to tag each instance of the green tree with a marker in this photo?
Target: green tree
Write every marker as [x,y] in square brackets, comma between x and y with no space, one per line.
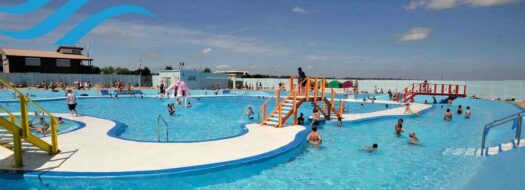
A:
[122,71]
[168,68]
[108,70]
[207,70]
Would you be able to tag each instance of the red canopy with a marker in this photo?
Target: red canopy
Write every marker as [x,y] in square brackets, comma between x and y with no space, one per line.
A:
[348,84]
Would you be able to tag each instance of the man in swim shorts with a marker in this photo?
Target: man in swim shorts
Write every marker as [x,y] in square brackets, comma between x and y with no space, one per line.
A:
[314,137]
[399,127]
[447,116]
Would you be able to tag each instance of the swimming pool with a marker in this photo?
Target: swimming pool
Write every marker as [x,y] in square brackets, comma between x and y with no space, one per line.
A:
[338,164]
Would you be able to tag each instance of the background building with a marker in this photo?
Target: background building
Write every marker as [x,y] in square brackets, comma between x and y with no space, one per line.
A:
[194,79]
[63,60]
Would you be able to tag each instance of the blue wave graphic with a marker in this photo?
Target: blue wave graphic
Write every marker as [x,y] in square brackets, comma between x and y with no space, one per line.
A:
[27,7]
[53,21]
[89,24]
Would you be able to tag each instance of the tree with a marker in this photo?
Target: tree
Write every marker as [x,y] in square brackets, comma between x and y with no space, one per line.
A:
[207,70]
[108,70]
[95,70]
[168,68]
[145,71]
[122,71]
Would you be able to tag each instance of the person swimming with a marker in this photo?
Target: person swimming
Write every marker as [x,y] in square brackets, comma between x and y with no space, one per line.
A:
[460,110]
[250,113]
[314,137]
[188,105]
[300,119]
[447,116]
[179,102]
[372,148]
[171,109]
[316,117]
[468,112]
[399,127]
[413,139]
[60,121]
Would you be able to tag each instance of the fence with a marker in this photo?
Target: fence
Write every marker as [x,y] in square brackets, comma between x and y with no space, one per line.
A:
[33,79]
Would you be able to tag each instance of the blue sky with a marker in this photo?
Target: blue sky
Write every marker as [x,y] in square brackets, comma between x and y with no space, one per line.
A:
[423,39]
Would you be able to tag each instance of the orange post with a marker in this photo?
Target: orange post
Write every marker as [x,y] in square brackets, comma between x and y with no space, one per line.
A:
[442,88]
[449,89]
[332,101]
[341,107]
[294,109]
[280,116]
[315,89]
[264,112]
[323,85]
[435,90]
[307,88]
[465,90]
[291,84]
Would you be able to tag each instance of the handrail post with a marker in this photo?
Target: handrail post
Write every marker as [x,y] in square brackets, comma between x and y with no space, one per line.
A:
[294,109]
[158,128]
[17,142]
[442,88]
[449,89]
[280,116]
[291,84]
[435,88]
[518,129]
[24,123]
[54,138]
[465,90]
[420,88]
[483,141]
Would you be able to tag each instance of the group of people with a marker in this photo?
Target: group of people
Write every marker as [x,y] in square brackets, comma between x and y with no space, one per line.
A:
[171,107]
[448,114]
[44,125]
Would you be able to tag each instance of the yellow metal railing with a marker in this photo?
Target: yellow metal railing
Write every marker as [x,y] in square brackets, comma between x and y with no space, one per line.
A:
[25,131]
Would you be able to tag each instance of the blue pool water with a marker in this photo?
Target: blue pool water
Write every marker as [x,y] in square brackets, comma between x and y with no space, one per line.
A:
[337,164]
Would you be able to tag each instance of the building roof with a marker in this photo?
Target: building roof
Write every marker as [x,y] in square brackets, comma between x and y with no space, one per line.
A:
[45,54]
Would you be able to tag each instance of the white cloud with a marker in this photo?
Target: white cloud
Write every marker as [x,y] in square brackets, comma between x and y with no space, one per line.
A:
[206,51]
[300,10]
[223,66]
[446,4]
[415,34]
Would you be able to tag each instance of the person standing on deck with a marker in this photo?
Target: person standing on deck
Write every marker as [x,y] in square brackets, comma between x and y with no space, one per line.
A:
[302,76]
[72,103]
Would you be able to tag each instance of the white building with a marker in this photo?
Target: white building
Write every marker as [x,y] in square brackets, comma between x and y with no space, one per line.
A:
[194,79]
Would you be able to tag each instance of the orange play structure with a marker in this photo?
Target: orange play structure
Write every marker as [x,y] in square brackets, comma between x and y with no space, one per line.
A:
[451,90]
[311,89]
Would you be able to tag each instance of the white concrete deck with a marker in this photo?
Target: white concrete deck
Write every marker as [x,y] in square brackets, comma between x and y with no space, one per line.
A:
[400,111]
[90,149]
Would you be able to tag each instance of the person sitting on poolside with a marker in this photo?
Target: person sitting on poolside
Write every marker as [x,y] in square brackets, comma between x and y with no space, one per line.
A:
[372,148]
[460,110]
[300,119]
[413,138]
[250,113]
[407,109]
[447,116]
[171,109]
[399,127]
[314,137]
[468,112]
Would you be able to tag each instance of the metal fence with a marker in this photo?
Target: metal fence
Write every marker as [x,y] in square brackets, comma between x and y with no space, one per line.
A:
[33,79]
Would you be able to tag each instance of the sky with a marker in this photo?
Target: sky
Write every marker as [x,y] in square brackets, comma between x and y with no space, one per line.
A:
[411,39]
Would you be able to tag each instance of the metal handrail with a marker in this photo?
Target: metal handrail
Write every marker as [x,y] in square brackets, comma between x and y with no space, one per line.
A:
[159,119]
[517,116]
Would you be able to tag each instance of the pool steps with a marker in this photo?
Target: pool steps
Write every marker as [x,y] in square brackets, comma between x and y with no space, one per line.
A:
[490,151]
